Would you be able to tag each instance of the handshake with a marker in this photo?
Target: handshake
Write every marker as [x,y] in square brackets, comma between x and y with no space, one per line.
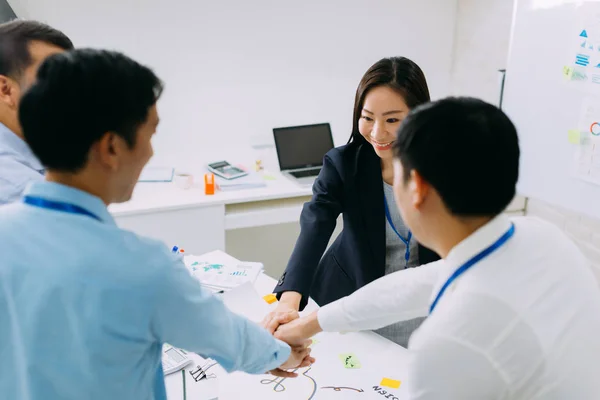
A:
[286,325]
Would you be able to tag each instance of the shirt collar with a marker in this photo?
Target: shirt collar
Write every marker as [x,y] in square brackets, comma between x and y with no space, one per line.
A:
[67,194]
[10,142]
[478,241]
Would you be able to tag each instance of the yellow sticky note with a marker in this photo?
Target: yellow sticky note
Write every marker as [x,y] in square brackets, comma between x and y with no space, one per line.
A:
[391,383]
[270,298]
[574,136]
[567,72]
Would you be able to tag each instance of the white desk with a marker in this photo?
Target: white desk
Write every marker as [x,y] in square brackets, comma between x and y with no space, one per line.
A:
[197,222]
[379,357]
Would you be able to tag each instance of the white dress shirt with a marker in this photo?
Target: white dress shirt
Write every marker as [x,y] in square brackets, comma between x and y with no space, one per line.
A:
[523,323]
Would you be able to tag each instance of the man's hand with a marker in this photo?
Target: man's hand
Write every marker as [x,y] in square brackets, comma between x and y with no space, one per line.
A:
[299,358]
[286,311]
[299,330]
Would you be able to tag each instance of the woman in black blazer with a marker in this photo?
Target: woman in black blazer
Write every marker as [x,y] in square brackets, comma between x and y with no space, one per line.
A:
[356,182]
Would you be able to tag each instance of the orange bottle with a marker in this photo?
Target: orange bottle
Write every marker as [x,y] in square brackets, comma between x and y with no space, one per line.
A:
[209,183]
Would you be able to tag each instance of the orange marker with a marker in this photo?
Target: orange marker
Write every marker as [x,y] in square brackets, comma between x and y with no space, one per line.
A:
[209,183]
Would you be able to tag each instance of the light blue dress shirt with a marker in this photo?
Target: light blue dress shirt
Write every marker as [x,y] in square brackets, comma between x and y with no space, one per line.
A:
[85,307]
[18,166]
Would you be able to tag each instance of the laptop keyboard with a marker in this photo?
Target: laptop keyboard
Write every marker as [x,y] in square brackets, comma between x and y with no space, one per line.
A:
[304,174]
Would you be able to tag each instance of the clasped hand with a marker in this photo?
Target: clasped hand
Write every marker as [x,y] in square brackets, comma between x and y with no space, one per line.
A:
[284,323]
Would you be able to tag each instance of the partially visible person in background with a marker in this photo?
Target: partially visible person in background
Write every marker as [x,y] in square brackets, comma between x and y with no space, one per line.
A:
[24,45]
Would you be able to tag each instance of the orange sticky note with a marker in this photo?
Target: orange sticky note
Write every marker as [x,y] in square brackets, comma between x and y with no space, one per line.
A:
[270,298]
[391,383]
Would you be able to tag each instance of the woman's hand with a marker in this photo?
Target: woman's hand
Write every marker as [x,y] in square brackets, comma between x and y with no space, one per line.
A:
[285,312]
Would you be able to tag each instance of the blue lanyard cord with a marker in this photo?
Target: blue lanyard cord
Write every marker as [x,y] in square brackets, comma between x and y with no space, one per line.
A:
[58,206]
[474,260]
[405,241]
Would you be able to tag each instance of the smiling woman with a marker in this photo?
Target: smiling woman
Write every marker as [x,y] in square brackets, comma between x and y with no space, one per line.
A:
[356,182]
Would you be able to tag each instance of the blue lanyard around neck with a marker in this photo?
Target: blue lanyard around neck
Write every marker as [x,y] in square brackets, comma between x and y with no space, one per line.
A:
[58,206]
[471,262]
[405,241]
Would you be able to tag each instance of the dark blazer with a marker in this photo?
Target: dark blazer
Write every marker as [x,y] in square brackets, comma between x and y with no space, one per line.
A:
[350,184]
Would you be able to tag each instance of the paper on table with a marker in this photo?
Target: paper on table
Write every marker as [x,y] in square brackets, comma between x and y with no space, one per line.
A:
[206,389]
[218,270]
[244,300]
[156,174]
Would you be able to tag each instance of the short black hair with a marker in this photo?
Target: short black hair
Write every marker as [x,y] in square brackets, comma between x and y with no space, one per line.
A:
[467,149]
[15,37]
[78,97]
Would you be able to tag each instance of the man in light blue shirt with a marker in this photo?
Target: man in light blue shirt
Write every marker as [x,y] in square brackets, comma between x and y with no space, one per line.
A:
[85,307]
[23,46]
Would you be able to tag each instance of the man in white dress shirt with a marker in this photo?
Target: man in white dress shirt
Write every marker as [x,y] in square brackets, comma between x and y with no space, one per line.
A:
[514,309]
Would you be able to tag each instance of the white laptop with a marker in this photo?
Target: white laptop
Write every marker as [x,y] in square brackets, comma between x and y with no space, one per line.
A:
[300,150]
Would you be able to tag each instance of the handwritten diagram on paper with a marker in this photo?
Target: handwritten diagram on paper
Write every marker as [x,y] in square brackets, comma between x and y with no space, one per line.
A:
[583,66]
[587,156]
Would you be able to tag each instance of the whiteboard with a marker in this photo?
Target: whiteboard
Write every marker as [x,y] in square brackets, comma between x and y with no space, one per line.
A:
[550,81]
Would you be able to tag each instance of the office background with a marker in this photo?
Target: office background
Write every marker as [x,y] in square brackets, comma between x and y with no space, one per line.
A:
[235,70]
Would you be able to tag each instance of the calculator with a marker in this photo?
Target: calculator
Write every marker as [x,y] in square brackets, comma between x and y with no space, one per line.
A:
[173,359]
[226,170]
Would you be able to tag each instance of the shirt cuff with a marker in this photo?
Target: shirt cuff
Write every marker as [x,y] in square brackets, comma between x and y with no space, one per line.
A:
[282,353]
[332,318]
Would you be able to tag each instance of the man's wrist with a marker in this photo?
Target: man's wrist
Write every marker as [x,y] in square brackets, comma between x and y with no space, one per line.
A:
[312,326]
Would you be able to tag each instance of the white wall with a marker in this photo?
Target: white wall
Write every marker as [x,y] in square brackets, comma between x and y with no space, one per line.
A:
[236,69]
[481,47]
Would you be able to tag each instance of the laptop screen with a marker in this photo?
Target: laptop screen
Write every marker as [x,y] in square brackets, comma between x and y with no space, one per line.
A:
[302,146]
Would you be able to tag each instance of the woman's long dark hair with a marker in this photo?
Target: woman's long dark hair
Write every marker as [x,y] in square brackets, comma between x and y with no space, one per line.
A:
[398,73]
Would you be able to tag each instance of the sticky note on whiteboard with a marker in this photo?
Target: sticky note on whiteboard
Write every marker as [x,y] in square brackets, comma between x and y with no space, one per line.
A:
[567,72]
[391,383]
[574,136]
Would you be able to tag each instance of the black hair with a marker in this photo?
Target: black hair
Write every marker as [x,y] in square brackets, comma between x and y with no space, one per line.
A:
[397,73]
[466,149]
[15,37]
[78,97]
